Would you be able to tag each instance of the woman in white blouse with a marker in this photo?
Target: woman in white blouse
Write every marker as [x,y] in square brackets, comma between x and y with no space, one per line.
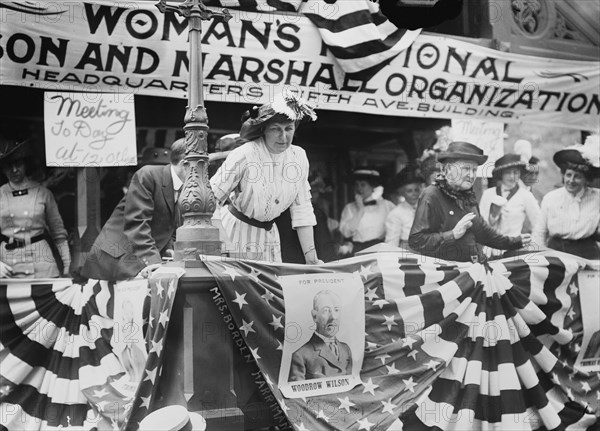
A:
[409,183]
[363,221]
[570,220]
[262,178]
[507,206]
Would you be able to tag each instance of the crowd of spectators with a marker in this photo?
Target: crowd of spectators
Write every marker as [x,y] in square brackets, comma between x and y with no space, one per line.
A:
[294,221]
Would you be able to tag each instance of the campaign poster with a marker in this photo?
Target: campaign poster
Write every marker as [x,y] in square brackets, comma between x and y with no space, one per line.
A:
[323,348]
[589,295]
[128,337]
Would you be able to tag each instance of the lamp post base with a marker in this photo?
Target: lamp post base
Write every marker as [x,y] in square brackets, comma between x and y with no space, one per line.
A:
[199,241]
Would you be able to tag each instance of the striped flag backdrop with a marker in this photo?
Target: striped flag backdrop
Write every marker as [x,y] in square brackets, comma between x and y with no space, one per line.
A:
[448,346]
[358,35]
[57,365]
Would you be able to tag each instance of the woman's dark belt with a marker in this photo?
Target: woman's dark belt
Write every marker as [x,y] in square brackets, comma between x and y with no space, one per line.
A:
[584,247]
[14,243]
[359,246]
[266,225]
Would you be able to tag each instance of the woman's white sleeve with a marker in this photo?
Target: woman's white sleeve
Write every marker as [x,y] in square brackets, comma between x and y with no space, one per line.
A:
[229,175]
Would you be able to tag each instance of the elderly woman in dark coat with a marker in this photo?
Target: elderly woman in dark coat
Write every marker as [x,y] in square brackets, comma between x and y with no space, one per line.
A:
[447,221]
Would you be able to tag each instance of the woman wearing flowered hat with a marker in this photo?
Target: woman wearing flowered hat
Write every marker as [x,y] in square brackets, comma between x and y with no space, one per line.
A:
[570,220]
[507,206]
[30,224]
[363,221]
[264,177]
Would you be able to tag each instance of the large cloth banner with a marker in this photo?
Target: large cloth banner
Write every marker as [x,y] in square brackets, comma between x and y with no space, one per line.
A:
[447,346]
[132,48]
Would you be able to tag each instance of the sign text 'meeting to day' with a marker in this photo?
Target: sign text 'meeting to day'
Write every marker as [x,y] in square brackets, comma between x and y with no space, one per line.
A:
[92,129]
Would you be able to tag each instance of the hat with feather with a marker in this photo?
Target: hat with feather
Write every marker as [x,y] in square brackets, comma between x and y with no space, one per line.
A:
[583,158]
[12,150]
[285,107]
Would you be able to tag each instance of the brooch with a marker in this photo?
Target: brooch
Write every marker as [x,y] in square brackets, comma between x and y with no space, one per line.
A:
[451,212]
[22,192]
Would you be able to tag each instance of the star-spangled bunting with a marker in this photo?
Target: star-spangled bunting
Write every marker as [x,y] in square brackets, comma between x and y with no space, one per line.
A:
[434,356]
[425,347]
[84,316]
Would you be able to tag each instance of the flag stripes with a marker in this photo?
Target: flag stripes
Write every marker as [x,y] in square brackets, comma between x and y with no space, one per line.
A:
[46,350]
[57,366]
[448,346]
[357,34]
[470,347]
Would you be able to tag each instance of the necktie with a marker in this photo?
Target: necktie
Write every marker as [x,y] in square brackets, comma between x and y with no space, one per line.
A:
[334,348]
[178,217]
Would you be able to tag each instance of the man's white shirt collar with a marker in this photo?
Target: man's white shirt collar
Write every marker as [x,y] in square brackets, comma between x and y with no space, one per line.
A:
[326,339]
[177,183]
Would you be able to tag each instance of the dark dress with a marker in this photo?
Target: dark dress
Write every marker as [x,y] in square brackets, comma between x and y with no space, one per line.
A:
[431,234]
[291,251]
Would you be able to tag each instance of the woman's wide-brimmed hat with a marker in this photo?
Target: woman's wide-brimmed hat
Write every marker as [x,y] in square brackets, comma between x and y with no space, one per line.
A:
[11,150]
[155,156]
[173,418]
[460,150]
[408,175]
[585,158]
[285,106]
[366,174]
[508,161]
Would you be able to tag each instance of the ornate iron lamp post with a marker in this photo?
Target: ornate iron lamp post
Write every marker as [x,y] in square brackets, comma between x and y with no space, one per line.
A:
[196,201]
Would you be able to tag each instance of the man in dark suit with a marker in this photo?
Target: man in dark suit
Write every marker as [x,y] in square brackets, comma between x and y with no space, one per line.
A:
[323,355]
[142,226]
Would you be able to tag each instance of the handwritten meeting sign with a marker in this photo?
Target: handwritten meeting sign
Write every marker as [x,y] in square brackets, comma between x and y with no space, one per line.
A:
[89,129]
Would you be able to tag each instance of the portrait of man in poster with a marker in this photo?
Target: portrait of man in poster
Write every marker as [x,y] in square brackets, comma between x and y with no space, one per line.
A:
[323,355]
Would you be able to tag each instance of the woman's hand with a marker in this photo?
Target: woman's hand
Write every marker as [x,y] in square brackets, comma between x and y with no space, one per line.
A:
[525,239]
[5,270]
[463,225]
[147,271]
[310,256]
[359,201]
[346,248]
